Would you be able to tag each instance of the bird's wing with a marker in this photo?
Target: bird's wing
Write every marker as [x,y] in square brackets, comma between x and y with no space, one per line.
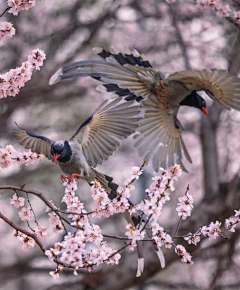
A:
[36,143]
[222,85]
[100,135]
[129,74]
[160,138]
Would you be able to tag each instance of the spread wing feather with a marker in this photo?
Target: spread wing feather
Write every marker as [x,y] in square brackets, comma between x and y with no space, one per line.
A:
[159,138]
[36,143]
[101,134]
[222,85]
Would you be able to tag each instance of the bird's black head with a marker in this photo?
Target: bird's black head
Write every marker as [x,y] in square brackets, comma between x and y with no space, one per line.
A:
[195,100]
[61,151]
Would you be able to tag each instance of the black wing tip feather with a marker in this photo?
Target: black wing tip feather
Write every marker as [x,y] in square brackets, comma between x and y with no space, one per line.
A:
[130,57]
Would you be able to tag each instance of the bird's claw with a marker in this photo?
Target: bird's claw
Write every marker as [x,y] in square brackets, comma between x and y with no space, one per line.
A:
[165,92]
[74,176]
[162,101]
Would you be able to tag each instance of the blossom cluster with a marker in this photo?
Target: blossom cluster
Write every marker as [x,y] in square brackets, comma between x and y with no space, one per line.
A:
[9,156]
[185,205]
[12,81]
[157,194]
[103,206]
[6,30]
[20,5]
[183,254]
[27,241]
[213,230]
[160,236]
[85,247]
[222,10]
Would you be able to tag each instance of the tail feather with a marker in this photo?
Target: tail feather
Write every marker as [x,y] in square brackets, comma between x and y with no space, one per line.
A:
[119,71]
[107,184]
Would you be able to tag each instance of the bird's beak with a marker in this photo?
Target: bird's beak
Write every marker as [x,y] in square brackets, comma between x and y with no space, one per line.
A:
[205,111]
[56,156]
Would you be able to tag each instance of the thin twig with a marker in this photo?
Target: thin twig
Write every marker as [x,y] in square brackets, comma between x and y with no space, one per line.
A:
[17,228]
[5,11]
[39,195]
[180,220]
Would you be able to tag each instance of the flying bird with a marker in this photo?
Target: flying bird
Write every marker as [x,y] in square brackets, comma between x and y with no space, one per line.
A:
[130,75]
[95,140]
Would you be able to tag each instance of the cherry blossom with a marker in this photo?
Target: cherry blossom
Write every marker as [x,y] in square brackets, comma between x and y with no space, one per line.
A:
[183,254]
[160,236]
[192,238]
[6,30]
[136,172]
[41,232]
[185,206]
[9,156]
[55,223]
[20,5]
[134,234]
[26,214]
[12,81]
[214,230]
[17,201]
[231,224]
[212,4]
[223,11]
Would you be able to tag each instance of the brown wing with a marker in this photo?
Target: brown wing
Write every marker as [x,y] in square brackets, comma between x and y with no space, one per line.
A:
[36,143]
[160,137]
[222,86]
[101,134]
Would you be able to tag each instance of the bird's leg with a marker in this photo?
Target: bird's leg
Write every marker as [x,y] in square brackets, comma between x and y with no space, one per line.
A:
[165,92]
[162,101]
[64,178]
[69,179]
[75,176]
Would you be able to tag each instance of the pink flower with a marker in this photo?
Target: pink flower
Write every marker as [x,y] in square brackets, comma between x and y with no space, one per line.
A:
[17,201]
[12,81]
[176,170]
[26,214]
[136,172]
[231,224]
[183,254]
[36,58]
[211,4]
[192,239]
[20,5]
[6,30]
[134,234]
[204,231]
[185,206]
[214,230]
[6,155]
[28,242]
[52,253]
[55,223]
[41,231]
[223,11]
